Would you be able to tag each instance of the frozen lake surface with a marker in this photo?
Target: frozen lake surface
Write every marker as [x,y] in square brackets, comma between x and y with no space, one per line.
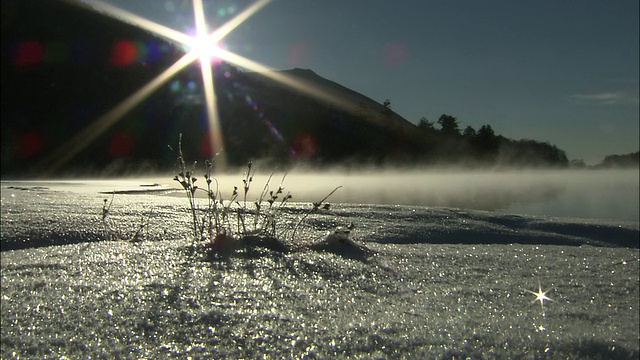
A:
[446,282]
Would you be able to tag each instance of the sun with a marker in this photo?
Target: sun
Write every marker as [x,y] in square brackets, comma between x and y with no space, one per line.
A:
[202,47]
[204,50]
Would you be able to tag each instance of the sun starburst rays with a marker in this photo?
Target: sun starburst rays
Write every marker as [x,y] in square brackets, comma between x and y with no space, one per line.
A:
[289,81]
[81,140]
[230,25]
[202,47]
[215,136]
[139,21]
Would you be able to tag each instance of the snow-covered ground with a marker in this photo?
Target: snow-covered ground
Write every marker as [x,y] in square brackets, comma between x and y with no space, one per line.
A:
[444,283]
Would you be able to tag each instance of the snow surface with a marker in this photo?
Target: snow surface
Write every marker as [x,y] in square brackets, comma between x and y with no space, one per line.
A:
[444,283]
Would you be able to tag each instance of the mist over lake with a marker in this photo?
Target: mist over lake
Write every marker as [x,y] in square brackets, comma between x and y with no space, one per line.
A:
[605,194]
[587,194]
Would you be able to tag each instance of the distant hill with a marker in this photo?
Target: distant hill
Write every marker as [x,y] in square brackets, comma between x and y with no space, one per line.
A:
[353,101]
[631,160]
[64,66]
[337,125]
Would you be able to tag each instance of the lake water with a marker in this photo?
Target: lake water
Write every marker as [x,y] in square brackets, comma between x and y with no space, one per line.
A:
[588,194]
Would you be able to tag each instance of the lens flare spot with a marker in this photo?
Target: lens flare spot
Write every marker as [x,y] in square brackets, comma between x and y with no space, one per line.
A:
[273,129]
[394,54]
[169,6]
[81,52]
[299,53]
[146,51]
[121,144]
[56,52]
[28,53]
[153,51]
[123,52]
[205,145]
[175,86]
[29,144]
[304,145]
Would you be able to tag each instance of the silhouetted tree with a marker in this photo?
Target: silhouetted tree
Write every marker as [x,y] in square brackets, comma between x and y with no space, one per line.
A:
[426,125]
[486,143]
[469,132]
[577,164]
[486,138]
[628,160]
[387,107]
[531,153]
[449,125]
[486,131]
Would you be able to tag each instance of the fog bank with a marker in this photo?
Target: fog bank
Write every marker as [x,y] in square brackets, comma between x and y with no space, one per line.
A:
[595,194]
[603,194]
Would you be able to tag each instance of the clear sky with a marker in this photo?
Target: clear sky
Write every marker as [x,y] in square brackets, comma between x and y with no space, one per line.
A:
[559,71]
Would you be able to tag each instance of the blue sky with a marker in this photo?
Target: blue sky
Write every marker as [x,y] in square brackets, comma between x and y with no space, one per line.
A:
[559,71]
